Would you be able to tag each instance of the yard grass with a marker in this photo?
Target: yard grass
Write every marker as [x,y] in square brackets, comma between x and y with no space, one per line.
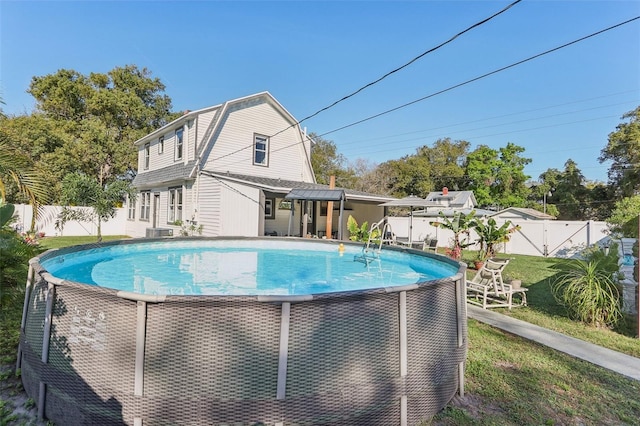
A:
[543,310]
[59,242]
[509,380]
[512,381]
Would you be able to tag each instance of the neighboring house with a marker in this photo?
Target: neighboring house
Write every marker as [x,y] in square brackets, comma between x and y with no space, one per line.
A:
[518,213]
[228,168]
[450,202]
[452,199]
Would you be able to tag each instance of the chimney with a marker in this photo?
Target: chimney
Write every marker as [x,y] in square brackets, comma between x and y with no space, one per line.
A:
[445,191]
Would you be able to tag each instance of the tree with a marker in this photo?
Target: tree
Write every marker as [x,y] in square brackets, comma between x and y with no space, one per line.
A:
[410,175]
[446,159]
[371,177]
[430,168]
[82,190]
[569,196]
[623,150]
[481,167]
[624,217]
[497,176]
[327,162]
[100,115]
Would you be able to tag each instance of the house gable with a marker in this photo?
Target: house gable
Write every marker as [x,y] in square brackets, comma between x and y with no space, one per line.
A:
[453,199]
[255,136]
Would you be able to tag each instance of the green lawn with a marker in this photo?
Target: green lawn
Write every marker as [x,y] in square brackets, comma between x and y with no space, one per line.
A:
[58,242]
[543,310]
[509,380]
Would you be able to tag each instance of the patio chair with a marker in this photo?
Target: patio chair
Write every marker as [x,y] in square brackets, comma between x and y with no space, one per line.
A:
[430,245]
[488,290]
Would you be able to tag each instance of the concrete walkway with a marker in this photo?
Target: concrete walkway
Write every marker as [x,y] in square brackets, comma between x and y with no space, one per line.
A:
[626,365]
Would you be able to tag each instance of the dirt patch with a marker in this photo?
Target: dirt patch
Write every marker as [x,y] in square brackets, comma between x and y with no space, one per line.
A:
[16,407]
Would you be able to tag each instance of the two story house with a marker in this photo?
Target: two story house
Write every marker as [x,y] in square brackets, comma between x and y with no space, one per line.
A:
[229,169]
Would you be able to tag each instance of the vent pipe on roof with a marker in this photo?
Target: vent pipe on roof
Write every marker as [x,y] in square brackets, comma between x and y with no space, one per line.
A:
[445,191]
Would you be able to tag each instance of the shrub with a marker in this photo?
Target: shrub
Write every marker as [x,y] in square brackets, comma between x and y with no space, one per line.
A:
[15,253]
[589,293]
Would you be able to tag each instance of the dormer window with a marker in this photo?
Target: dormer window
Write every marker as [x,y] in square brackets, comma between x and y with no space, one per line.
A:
[179,136]
[147,149]
[260,150]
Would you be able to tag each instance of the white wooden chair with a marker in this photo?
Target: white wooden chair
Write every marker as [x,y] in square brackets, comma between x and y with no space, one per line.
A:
[488,290]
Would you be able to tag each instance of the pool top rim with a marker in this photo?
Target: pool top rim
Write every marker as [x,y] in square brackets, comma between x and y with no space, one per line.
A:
[36,263]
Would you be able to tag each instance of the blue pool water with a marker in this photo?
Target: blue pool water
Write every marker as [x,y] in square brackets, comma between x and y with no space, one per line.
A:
[241,267]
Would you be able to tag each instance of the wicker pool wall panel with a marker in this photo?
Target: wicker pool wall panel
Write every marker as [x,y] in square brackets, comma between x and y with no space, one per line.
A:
[215,359]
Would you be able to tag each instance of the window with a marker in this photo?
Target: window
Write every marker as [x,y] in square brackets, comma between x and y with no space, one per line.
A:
[269,208]
[145,205]
[179,136]
[260,150]
[175,204]
[161,145]
[132,208]
[147,149]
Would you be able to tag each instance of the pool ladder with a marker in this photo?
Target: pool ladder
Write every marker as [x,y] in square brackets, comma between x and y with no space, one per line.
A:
[372,248]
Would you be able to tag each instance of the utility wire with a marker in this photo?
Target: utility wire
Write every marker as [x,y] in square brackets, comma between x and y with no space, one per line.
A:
[433,49]
[438,135]
[496,71]
[546,52]
[477,24]
[481,120]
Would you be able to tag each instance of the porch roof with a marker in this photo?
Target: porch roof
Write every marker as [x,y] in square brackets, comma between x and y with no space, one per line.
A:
[316,194]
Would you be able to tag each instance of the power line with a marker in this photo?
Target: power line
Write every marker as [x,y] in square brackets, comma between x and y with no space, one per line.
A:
[343,144]
[433,49]
[481,76]
[450,88]
[500,116]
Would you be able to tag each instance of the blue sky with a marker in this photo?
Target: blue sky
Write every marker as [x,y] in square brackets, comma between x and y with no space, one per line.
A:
[309,54]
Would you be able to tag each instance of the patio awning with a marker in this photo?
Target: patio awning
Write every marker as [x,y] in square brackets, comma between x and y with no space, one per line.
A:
[316,194]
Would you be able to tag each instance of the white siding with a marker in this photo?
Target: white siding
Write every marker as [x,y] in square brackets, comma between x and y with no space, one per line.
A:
[202,124]
[190,140]
[287,157]
[165,159]
[240,210]
[208,202]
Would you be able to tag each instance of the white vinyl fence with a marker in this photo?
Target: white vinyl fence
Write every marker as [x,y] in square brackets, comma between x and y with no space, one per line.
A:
[551,238]
[48,215]
[536,237]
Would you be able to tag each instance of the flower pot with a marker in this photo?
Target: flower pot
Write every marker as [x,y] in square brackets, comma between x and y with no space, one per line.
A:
[515,283]
[478,264]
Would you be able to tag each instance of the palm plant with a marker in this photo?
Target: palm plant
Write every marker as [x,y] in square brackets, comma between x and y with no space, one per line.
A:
[490,235]
[459,224]
[17,167]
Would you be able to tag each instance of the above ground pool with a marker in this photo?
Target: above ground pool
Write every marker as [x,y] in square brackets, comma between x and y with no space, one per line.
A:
[273,331]
[243,267]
